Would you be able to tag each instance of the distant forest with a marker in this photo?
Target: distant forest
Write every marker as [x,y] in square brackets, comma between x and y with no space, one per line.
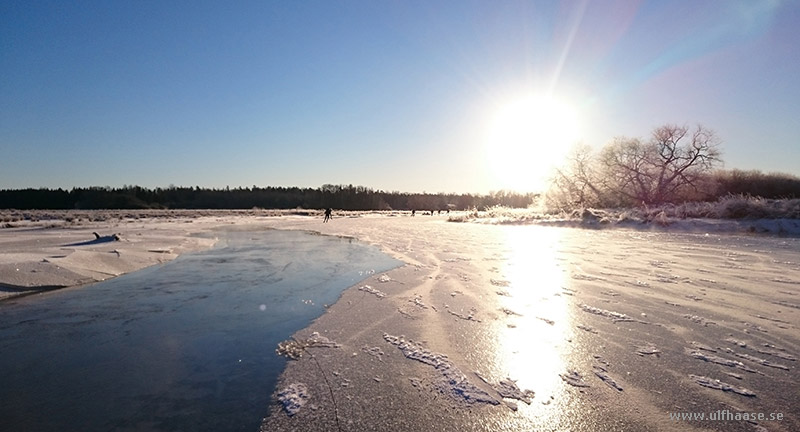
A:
[573,191]
[343,197]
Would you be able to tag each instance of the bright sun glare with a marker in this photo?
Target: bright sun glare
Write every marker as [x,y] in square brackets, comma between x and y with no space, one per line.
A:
[526,138]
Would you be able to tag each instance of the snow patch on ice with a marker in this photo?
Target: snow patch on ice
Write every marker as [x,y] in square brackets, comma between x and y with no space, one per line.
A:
[371,290]
[453,381]
[294,397]
[719,385]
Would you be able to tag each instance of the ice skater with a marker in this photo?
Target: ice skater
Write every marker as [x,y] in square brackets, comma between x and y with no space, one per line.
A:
[327,215]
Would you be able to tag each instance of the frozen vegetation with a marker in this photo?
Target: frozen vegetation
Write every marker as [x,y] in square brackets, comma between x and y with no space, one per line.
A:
[734,213]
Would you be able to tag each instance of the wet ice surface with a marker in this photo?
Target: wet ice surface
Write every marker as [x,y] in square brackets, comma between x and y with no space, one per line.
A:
[610,330]
[189,345]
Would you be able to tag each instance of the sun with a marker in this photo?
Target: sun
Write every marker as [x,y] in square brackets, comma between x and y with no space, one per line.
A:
[526,138]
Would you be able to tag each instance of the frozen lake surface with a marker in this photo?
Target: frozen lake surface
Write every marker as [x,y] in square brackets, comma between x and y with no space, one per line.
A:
[189,345]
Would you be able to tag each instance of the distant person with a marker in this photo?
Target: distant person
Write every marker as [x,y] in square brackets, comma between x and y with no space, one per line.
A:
[413,212]
[327,214]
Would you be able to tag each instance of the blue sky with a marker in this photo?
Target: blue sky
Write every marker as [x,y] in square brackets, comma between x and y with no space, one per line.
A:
[394,95]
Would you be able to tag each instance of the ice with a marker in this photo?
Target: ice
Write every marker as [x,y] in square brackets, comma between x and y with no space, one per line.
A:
[776,353]
[371,290]
[294,397]
[703,347]
[548,321]
[616,316]
[721,361]
[699,320]
[470,317]
[736,342]
[719,385]
[787,304]
[373,351]
[507,388]
[508,311]
[574,379]
[759,360]
[602,373]
[317,340]
[294,349]
[649,349]
[417,300]
[453,382]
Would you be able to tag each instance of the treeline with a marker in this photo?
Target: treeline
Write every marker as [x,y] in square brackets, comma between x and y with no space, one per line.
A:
[755,183]
[344,197]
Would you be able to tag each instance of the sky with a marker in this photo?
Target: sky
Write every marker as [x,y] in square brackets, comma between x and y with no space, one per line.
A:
[392,95]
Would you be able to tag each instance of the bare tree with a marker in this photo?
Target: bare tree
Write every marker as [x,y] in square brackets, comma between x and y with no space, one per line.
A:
[682,161]
[576,184]
[673,165]
[668,166]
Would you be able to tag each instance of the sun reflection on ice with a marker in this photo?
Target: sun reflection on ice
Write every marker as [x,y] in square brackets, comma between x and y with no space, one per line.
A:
[531,347]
